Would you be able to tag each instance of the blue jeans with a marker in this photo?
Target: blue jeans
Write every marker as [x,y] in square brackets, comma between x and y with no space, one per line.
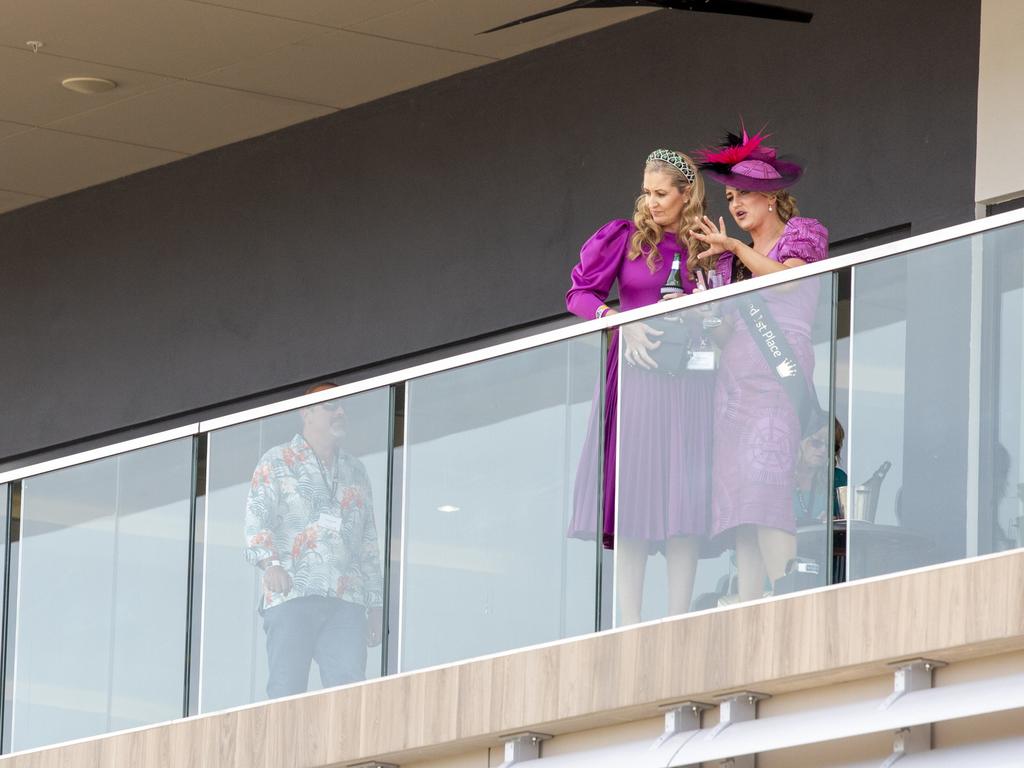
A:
[327,629]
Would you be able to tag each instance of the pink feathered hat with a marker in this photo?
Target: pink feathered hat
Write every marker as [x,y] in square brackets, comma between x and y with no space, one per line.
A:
[745,163]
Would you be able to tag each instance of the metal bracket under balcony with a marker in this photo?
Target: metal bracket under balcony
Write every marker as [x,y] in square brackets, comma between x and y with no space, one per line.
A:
[907,712]
[522,747]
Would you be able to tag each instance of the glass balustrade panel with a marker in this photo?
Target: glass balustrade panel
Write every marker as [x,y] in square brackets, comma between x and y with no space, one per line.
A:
[97,604]
[936,369]
[723,465]
[293,548]
[7,518]
[501,500]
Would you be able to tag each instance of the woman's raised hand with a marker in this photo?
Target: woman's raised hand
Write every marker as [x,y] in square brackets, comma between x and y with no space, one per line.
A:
[715,237]
[638,344]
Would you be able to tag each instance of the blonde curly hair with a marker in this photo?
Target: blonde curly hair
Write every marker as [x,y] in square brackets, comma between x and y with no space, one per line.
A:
[644,242]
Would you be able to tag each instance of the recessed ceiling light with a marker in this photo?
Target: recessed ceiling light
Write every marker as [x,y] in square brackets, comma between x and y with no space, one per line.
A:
[88,85]
[448,508]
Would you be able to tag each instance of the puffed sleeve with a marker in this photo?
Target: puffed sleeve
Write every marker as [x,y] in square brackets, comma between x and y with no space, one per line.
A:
[804,239]
[600,260]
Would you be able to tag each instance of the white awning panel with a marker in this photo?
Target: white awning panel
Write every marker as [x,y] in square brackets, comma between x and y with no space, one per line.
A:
[634,754]
[1005,753]
[951,702]
[814,726]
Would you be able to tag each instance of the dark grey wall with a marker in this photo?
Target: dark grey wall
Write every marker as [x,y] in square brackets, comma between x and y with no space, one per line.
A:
[455,209]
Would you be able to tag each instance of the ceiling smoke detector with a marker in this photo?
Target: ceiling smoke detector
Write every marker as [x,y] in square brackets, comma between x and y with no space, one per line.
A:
[88,85]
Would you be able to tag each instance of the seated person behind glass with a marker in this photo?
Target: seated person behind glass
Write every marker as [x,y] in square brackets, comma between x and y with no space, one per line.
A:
[811,478]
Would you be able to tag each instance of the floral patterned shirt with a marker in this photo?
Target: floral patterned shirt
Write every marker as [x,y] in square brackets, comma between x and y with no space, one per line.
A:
[318,521]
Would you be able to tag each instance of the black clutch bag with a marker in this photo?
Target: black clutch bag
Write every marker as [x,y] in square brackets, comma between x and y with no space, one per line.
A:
[673,354]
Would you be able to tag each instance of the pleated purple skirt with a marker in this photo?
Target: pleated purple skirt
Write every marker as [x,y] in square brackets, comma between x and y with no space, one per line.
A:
[663,458]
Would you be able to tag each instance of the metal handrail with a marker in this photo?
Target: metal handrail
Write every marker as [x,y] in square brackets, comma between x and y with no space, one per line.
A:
[576,330]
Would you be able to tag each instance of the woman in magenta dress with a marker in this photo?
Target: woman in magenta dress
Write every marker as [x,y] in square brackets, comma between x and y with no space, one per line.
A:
[664,459]
[757,429]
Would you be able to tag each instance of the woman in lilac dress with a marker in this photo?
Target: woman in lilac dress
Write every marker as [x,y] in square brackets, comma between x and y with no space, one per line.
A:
[664,460]
[757,428]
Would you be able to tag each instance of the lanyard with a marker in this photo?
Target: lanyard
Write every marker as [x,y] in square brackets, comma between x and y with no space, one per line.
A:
[332,483]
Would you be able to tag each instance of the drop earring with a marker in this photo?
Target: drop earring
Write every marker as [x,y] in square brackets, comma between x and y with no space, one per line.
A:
[769,209]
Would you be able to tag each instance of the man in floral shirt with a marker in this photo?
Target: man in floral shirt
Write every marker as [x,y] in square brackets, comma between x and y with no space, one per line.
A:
[309,528]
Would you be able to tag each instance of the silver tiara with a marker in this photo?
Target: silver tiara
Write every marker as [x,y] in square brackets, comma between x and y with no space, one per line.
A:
[676,161]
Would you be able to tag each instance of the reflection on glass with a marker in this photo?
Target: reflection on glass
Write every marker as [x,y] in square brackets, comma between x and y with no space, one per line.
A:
[1005,477]
[935,404]
[492,452]
[9,520]
[294,542]
[101,596]
[12,523]
[5,491]
[725,471]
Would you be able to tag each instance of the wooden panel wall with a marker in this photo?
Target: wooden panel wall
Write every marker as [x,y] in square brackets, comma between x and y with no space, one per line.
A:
[952,613]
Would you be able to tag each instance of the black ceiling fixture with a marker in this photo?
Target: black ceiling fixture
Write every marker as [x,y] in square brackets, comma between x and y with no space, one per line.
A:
[733,7]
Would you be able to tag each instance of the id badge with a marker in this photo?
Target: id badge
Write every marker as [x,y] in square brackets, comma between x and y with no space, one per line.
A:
[329,522]
[702,360]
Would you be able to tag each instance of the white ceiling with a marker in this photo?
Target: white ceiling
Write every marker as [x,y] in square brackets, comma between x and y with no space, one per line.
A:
[197,74]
